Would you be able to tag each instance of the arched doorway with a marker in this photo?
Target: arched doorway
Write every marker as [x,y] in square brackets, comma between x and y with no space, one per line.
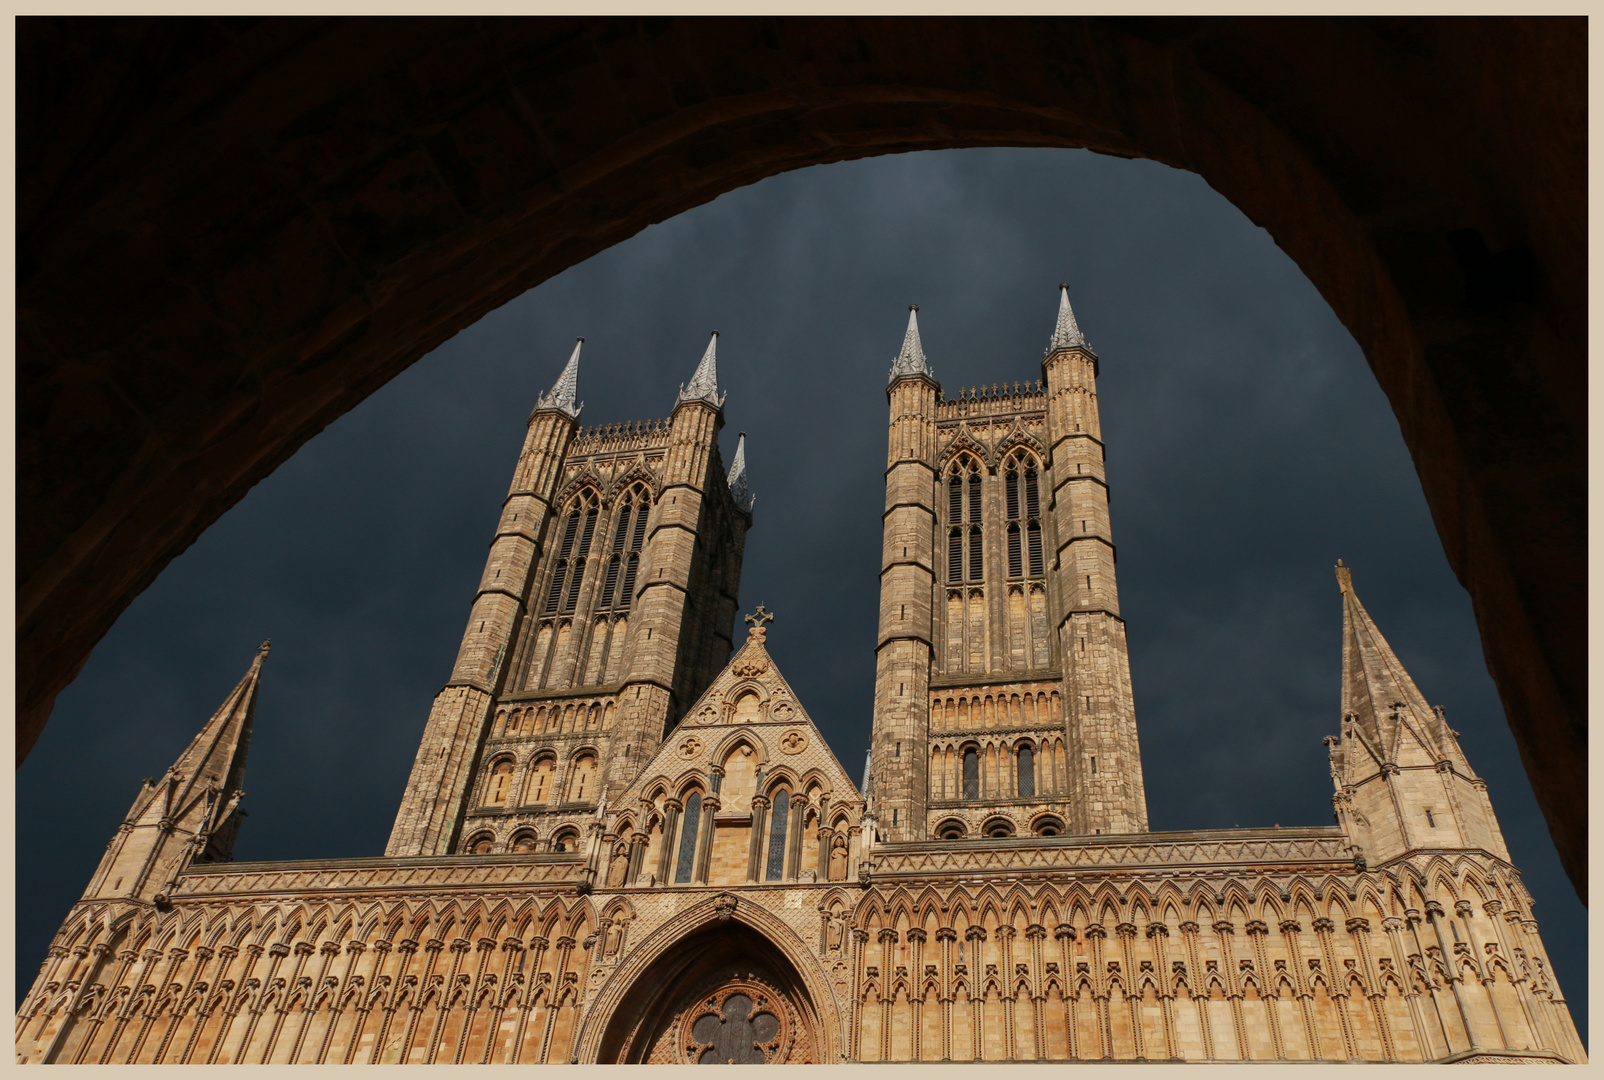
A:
[722,995]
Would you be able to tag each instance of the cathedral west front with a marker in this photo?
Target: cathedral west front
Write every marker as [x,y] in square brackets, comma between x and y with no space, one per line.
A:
[624,840]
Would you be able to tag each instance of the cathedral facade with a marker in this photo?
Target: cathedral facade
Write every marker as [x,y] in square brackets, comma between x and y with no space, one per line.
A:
[624,839]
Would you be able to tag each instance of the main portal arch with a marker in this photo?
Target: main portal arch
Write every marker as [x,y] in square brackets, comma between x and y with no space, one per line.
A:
[725,982]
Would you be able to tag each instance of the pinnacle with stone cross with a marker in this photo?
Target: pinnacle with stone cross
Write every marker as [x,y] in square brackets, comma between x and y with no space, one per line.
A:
[756,621]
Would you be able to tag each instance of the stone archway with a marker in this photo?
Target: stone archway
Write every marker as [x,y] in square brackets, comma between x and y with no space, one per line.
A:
[232,232]
[724,980]
[720,997]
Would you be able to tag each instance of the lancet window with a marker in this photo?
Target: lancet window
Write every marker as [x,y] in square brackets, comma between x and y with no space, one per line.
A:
[623,563]
[966,559]
[779,818]
[691,823]
[578,526]
[1022,493]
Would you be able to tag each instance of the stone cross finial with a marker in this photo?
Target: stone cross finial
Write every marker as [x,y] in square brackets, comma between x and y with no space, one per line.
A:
[756,621]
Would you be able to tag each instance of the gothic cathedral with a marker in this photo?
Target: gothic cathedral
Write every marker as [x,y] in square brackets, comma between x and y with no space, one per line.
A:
[624,840]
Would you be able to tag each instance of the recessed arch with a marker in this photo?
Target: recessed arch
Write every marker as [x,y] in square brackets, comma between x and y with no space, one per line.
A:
[693,949]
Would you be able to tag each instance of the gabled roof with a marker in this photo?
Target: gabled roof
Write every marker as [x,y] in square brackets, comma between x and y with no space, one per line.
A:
[749,701]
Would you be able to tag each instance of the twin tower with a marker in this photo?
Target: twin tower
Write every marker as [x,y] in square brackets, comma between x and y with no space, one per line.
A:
[607,604]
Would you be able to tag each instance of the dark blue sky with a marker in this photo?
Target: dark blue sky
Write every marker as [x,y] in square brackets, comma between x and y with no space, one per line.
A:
[1248,449]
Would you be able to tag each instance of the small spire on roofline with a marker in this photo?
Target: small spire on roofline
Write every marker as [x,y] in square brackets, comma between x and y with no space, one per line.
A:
[911,360]
[738,487]
[704,384]
[561,395]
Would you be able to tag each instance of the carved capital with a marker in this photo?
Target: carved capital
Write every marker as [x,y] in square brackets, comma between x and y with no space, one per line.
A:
[1157,930]
[1358,925]
[1323,925]
[304,948]
[1223,926]
[946,933]
[975,933]
[888,937]
[1036,932]
[1064,931]
[278,948]
[1463,909]
[916,934]
[1257,926]
[1187,927]
[1126,930]
[1291,926]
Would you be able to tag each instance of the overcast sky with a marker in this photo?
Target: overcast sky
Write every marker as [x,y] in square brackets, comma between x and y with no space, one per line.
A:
[1249,448]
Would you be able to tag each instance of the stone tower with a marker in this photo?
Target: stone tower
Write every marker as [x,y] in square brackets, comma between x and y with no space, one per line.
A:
[1002,695]
[606,606]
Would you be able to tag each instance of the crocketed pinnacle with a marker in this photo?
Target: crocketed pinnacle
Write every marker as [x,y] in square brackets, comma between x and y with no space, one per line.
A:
[564,389]
[738,488]
[911,360]
[704,384]
[1382,707]
[1066,335]
[201,791]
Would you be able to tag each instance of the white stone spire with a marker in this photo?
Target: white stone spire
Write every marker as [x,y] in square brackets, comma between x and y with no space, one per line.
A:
[704,384]
[563,390]
[738,489]
[911,360]
[1066,335]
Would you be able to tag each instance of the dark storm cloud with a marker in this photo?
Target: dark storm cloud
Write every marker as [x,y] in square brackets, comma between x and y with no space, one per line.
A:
[1248,449]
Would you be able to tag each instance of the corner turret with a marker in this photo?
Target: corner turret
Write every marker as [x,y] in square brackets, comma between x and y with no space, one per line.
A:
[1403,784]
[191,814]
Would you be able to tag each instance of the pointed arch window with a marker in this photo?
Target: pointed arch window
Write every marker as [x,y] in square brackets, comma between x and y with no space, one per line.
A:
[691,824]
[576,577]
[564,550]
[1023,500]
[971,774]
[780,818]
[965,546]
[618,584]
